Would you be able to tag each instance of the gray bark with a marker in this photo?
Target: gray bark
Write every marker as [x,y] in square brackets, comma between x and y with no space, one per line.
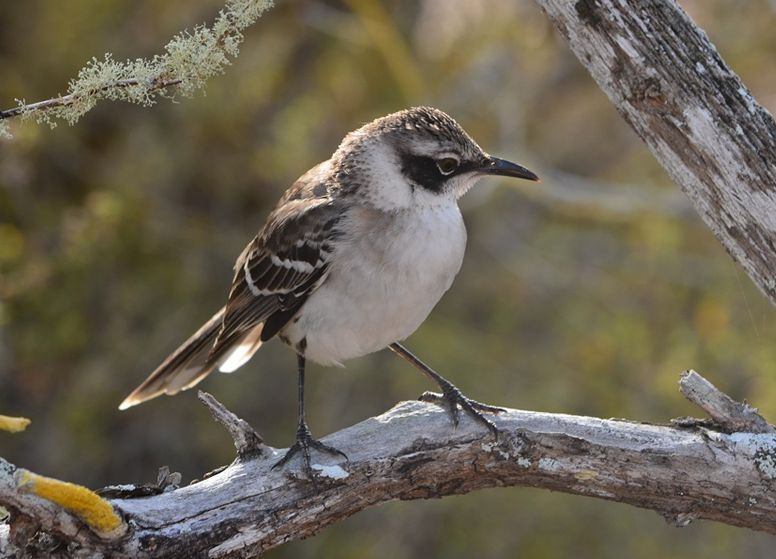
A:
[700,122]
[690,470]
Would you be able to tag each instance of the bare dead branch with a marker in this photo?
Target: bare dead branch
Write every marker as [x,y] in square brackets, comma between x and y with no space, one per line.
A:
[730,415]
[700,122]
[412,452]
[246,440]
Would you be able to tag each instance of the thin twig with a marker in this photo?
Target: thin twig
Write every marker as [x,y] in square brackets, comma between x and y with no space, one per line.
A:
[188,61]
[732,416]
[66,100]
[246,440]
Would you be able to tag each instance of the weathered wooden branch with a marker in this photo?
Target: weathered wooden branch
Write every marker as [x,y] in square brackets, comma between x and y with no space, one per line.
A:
[47,513]
[246,440]
[413,452]
[700,122]
[724,411]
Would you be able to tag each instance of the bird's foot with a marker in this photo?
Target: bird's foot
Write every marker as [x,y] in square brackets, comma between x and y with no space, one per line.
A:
[452,397]
[304,443]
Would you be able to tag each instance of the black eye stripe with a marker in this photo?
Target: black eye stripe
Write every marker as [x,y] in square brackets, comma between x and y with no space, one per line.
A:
[423,171]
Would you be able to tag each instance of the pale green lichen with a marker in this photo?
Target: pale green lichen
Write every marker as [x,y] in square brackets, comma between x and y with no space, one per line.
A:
[549,464]
[762,448]
[5,132]
[189,60]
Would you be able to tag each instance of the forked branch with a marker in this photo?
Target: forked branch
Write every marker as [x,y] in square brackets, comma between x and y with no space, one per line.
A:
[696,116]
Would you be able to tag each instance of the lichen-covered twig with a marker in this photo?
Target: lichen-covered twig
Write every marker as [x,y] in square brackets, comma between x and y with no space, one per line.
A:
[66,100]
[190,58]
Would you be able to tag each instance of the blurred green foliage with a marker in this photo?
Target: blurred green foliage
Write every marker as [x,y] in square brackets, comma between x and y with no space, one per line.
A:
[117,237]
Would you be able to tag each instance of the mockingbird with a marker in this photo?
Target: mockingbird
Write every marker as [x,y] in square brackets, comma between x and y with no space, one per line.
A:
[351,261]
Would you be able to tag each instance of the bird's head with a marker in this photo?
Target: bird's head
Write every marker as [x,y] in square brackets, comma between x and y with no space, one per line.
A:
[416,157]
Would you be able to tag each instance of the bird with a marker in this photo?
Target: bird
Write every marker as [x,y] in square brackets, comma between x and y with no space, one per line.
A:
[351,261]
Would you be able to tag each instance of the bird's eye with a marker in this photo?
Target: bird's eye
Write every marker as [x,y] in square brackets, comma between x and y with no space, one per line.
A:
[447,165]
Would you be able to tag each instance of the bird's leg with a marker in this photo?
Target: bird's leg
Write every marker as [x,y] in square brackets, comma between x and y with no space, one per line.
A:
[304,439]
[451,396]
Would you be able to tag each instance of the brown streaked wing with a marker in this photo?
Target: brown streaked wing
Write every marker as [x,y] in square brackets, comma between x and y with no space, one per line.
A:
[281,267]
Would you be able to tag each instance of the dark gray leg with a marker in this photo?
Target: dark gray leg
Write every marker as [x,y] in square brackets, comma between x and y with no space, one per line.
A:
[451,396]
[304,439]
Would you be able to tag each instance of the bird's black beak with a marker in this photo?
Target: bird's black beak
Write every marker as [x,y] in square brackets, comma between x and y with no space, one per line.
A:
[504,168]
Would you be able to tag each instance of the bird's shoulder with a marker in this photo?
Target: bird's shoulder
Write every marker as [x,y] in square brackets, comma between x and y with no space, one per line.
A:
[305,217]
[292,250]
[287,260]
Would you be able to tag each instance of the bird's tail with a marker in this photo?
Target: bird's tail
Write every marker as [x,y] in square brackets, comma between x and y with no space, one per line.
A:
[194,360]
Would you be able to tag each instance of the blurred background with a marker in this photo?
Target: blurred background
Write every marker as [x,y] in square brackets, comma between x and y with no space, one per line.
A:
[587,294]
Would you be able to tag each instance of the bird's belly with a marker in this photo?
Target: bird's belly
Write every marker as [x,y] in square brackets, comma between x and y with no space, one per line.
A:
[383,293]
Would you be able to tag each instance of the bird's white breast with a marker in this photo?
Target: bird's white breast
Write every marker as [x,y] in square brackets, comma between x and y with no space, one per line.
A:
[386,275]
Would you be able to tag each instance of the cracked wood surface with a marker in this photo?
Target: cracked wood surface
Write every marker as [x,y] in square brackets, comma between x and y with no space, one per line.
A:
[413,452]
[700,122]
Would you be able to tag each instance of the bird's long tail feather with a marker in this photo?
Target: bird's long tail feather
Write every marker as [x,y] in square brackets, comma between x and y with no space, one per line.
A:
[194,360]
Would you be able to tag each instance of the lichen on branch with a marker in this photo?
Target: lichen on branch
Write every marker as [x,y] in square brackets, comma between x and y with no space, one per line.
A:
[13,424]
[188,61]
[95,511]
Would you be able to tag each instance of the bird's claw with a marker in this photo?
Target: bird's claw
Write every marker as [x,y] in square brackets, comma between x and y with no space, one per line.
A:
[305,442]
[452,397]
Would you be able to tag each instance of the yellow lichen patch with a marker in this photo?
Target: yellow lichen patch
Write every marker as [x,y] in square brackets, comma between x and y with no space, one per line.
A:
[95,511]
[586,475]
[13,424]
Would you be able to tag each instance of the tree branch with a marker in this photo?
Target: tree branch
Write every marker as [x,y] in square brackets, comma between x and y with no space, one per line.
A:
[728,414]
[66,100]
[700,122]
[59,510]
[246,440]
[190,58]
[413,452]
